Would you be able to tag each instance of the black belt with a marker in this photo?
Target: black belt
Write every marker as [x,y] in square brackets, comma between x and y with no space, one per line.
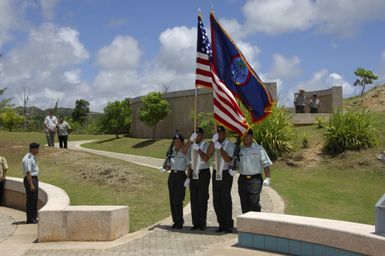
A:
[250,177]
[176,171]
[203,170]
[223,170]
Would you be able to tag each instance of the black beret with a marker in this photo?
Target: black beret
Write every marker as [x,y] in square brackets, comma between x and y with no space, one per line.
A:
[220,128]
[199,130]
[250,132]
[178,137]
[34,145]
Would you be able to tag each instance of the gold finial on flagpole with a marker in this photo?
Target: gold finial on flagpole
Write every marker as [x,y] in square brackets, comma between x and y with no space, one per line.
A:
[199,12]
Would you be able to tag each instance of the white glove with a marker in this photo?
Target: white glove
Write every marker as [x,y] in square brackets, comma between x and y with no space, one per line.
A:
[218,145]
[231,172]
[195,146]
[162,170]
[215,137]
[187,182]
[193,136]
[266,182]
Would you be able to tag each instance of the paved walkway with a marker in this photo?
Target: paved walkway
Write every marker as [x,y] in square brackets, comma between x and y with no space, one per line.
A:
[158,239]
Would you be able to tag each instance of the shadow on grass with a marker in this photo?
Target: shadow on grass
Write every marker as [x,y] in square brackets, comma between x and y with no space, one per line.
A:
[107,140]
[145,143]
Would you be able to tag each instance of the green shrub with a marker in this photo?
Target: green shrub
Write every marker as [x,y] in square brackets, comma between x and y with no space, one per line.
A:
[275,133]
[320,121]
[349,130]
[305,141]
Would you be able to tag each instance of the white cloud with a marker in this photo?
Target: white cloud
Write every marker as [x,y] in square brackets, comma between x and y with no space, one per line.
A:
[341,17]
[233,28]
[45,65]
[278,16]
[286,68]
[72,76]
[178,49]
[122,54]
[11,19]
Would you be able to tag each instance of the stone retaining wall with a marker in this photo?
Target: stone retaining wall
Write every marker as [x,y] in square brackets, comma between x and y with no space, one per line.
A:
[58,221]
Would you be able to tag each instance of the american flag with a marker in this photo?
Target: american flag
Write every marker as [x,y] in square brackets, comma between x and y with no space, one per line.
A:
[226,110]
[203,71]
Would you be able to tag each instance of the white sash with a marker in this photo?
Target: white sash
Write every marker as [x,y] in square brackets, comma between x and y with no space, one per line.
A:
[196,161]
[222,162]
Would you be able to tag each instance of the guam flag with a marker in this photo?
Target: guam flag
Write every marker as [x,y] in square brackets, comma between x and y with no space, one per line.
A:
[234,71]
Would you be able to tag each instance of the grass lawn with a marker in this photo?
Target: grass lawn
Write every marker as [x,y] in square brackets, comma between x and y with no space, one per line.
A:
[345,187]
[133,146]
[94,180]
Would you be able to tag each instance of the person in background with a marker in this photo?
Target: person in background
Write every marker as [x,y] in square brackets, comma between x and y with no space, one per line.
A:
[50,124]
[31,182]
[63,129]
[3,175]
[314,104]
[300,102]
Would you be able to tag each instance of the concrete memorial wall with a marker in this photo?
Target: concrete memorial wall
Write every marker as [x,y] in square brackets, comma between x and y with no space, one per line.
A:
[182,107]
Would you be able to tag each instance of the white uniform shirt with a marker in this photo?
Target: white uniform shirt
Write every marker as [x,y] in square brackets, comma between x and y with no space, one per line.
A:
[178,161]
[253,159]
[30,165]
[204,146]
[50,122]
[229,148]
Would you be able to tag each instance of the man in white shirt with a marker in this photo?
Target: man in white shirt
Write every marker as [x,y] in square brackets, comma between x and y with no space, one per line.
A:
[50,124]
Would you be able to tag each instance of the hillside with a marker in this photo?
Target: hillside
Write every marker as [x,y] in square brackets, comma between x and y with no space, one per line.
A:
[372,100]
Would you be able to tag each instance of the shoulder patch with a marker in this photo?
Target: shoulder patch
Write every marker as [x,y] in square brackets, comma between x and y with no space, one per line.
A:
[29,156]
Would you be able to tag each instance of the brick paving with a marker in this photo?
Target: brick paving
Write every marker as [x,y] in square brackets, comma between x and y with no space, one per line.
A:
[6,227]
[160,239]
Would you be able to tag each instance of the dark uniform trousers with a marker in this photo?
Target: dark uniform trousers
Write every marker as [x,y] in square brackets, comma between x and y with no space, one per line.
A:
[199,195]
[249,189]
[177,193]
[223,205]
[32,196]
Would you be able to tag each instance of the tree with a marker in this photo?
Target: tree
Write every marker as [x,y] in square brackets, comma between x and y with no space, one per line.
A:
[82,108]
[24,97]
[10,119]
[154,109]
[367,77]
[4,102]
[116,118]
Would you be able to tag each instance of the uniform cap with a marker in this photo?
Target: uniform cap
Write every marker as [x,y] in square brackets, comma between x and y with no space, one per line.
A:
[34,145]
[250,132]
[220,128]
[199,130]
[178,137]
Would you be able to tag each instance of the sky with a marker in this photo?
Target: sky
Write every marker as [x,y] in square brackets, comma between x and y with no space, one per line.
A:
[107,50]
